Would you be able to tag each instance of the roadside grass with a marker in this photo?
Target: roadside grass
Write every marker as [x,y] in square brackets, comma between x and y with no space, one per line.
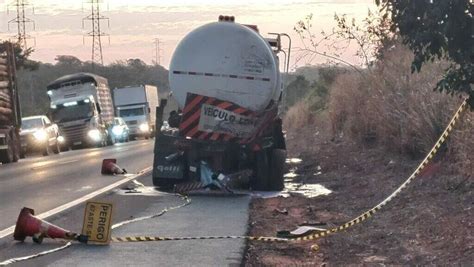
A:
[390,107]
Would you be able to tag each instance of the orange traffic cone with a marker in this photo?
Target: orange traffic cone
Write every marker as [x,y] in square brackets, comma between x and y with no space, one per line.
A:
[29,225]
[109,166]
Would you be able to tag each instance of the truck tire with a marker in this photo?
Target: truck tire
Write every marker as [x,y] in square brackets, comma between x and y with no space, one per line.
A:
[55,148]
[276,180]
[111,140]
[17,148]
[6,156]
[22,153]
[262,171]
[46,150]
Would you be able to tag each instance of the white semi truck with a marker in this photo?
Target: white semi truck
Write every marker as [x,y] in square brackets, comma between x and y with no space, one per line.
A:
[226,79]
[81,106]
[137,106]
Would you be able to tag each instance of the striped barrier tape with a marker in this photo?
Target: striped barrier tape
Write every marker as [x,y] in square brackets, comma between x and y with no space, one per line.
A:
[188,187]
[359,219]
[162,238]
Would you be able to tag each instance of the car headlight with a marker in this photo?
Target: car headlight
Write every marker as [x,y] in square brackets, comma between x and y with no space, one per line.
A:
[144,127]
[61,139]
[94,135]
[117,130]
[40,135]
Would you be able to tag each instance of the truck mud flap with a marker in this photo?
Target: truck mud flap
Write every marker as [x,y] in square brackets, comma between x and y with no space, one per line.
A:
[168,164]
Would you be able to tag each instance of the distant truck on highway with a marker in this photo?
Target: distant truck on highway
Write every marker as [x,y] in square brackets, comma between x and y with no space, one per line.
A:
[81,106]
[10,113]
[226,79]
[137,106]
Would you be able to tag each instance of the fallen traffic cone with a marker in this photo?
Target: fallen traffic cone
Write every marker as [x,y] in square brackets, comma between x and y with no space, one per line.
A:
[29,225]
[109,166]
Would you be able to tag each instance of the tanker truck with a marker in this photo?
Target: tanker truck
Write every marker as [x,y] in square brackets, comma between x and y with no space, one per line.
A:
[226,79]
[81,106]
[10,114]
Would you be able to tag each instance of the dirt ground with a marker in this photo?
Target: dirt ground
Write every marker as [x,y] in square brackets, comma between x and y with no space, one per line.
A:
[429,223]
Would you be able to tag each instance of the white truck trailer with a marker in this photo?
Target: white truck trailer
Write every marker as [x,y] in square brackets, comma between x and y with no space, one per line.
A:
[81,106]
[226,79]
[137,106]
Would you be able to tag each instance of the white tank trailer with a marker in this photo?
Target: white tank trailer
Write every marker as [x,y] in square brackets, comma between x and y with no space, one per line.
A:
[234,71]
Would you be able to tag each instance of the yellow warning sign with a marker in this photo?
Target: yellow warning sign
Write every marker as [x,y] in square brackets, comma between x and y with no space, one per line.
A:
[97,222]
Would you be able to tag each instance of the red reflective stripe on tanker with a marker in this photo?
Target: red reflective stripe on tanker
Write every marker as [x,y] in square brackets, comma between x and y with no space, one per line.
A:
[195,115]
[240,110]
[204,136]
[193,120]
[193,103]
[193,132]
[215,136]
[189,121]
[224,105]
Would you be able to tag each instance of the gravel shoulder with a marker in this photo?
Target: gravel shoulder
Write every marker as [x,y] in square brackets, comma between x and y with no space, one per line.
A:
[429,223]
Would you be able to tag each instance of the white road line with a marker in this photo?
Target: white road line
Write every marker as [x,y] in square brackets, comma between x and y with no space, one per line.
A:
[8,231]
[55,163]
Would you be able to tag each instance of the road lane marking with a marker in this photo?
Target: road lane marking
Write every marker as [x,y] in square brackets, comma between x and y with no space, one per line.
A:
[8,231]
[52,162]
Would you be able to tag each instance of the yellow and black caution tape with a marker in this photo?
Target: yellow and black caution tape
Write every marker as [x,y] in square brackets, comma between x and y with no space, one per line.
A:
[162,238]
[364,216]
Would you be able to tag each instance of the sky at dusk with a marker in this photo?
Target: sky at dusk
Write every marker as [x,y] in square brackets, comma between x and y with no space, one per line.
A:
[134,24]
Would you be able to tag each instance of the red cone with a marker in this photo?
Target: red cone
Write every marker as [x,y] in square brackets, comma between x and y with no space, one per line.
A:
[29,225]
[109,166]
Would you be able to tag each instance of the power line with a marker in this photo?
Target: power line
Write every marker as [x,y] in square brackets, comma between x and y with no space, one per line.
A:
[21,21]
[95,17]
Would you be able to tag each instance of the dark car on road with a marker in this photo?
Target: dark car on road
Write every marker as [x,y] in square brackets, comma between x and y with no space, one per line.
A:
[38,134]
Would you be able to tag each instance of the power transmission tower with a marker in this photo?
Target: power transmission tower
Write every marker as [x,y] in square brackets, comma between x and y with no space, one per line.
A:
[95,17]
[21,21]
[156,42]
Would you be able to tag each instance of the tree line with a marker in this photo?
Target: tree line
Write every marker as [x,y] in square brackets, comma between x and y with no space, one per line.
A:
[33,77]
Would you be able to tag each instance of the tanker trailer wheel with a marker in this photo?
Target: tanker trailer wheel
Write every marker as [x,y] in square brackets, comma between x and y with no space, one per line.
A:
[22,153]
[46,150]
[276,180]
[17,147]
[262,173]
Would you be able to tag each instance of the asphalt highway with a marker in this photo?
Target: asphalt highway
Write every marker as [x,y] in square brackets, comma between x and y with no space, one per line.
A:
[44,183]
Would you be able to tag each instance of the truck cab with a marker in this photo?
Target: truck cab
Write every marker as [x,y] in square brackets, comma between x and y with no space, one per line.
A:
[137,106]
[137,119]
[81,106]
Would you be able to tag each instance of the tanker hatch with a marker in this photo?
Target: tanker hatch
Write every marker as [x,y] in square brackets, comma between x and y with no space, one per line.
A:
[226,18]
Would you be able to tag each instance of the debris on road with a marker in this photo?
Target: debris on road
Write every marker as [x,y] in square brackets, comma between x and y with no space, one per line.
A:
[110,167]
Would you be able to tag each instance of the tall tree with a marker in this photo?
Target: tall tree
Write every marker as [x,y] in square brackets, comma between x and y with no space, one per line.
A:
[21,56]
[436,29]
